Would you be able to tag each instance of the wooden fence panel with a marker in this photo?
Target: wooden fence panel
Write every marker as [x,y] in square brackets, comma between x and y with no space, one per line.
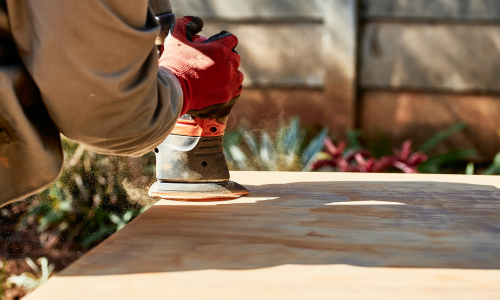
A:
[271,56]
[425,65]
[245,10]
[436,9]
[460,58]
[294,49]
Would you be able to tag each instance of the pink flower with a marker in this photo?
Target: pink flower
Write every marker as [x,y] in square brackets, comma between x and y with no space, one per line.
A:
[353,161]
[370,165]
[334,151]
[360,160]
[407,161]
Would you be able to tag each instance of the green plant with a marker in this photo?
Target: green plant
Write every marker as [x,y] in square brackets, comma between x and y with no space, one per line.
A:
[361,160]
[285,150]
[493,169]
[441,136]
[434,163]
[29,281]
[3,266]
[91,199]
[352,156]
[469,170]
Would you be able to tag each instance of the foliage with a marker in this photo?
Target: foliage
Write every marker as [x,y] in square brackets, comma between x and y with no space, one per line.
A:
[288,149]
[441,136]
[3,266]
[361,160]
[469,170]
[434,163]
[493,169]
[29,281]
[89,201]
[350,156]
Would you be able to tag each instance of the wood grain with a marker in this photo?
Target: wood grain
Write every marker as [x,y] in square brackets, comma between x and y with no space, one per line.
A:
[305,236]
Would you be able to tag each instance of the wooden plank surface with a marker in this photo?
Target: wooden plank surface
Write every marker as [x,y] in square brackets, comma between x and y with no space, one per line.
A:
[479,10]
[305,236]
[460,58]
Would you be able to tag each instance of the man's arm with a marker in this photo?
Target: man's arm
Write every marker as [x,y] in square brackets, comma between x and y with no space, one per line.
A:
[96,66]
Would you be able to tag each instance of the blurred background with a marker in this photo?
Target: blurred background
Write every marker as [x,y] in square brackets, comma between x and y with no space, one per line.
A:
[330,85]
[407,68]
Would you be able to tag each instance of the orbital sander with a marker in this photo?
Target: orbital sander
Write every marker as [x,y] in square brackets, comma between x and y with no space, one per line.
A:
[190,163]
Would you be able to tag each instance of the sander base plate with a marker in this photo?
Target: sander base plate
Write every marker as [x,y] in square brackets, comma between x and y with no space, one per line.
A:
[197,191]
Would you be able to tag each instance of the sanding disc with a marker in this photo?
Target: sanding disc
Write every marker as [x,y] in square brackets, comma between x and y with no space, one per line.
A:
[203,191]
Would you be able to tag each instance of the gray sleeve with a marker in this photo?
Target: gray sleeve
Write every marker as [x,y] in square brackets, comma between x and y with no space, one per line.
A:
[96,66]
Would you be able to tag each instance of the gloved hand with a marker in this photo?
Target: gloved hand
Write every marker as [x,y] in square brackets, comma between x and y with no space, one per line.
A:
[207,69]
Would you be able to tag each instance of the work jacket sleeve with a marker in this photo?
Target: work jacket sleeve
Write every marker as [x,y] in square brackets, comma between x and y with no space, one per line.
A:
[95,63]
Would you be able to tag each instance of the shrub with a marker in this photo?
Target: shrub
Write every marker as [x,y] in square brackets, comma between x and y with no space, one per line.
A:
[288,149]
[89,201]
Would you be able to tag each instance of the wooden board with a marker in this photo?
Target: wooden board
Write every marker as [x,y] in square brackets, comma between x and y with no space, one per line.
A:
[305,236]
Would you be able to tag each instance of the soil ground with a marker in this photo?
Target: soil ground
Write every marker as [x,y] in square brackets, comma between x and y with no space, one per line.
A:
[18,243]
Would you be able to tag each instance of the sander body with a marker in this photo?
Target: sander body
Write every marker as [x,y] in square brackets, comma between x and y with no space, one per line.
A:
[190,163]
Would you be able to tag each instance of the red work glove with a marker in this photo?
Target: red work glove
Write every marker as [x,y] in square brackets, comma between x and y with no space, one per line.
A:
[207,69]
